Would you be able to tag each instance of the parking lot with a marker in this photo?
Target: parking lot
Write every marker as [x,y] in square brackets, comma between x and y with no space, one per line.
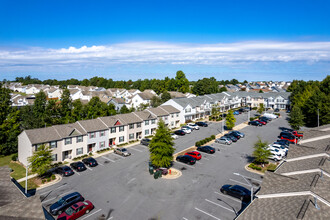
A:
[122,188]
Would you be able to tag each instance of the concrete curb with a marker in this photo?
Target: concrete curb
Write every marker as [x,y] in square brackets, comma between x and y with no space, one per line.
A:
[58,179]
[172,177]
[247,168]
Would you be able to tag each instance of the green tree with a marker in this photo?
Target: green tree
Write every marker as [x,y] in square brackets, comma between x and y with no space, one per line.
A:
[161,146]
[261,108]
[296,118]
[5,103]
[230,120]
[66,104]
[41,160]
[260,91]
[124,110]
[214,111]
[9,130]
[39,109]
[261,152]
[155,101]
[78,111]
[181,82]
[165,96]
[206,86]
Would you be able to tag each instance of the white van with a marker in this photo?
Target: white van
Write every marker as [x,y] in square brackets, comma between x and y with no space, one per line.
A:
[269,115]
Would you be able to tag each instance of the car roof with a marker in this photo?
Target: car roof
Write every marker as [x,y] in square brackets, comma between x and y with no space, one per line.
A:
[71,195]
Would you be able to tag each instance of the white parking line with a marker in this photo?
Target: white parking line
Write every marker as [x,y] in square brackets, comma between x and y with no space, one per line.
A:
[184,218]
[108,159]
[136,149]
[58,196]
[100,164]
[52,190]
[203,153]
[185,164]
[91,214]
[118,156]
[219,205]
[110,218]
[229,197]
[198,162]
[131,180]
[144,146]
[243,183]
[77,173]
[89,168]
[207,213]
[252,178]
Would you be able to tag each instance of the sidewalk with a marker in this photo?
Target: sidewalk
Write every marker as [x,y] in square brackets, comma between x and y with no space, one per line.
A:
[29,177]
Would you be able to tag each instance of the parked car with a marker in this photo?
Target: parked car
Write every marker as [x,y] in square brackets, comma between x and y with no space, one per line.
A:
[297,134]
[290,138]
[122,151]
[78,166]
[201,124]
[223,140]
[64,171]
[276,110]
[288,111]
[179,132]
[261,122]
[254,123]
[174,136]
[241,134]
[145,141]
[275,157]
[76,210]
[186,159]
[236,112]
[263,118]
[163,170]
[231,137]
[284,143]
[277,152]
[90,161]
[270,115]
[194,126]
[236,191]
[236,135]
[278,146]
[206,149]
[186,130]
[194,154]
[187,127]
[64,202]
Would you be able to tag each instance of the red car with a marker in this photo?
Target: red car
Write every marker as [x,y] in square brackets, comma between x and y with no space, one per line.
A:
[194,154]
[261,122]
[289,138]
[76,210]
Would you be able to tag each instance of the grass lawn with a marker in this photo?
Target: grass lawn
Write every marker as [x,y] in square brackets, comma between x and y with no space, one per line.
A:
[32,183]
[19,170]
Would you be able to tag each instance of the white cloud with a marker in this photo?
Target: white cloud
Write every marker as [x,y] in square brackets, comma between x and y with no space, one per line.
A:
[169,53]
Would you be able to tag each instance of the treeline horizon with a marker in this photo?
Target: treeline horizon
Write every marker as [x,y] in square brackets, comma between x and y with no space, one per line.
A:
[180,83]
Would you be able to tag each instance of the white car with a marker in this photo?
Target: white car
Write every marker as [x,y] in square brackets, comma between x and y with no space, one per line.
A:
[278,146]
[186,130]
[278,152]
[174,136]
[194,126]
[275,157]
[269,115]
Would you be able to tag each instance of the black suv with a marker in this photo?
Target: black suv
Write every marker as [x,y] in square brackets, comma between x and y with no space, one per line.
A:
[236,191]
[186,159]
[201,124]
[145,141]
[255,123]
[90,161]
[64,171]
[179,132]
[65,202]
[78,166]
[231,137]
[206,149]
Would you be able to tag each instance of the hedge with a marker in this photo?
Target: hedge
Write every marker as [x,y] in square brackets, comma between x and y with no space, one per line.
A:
[204,141]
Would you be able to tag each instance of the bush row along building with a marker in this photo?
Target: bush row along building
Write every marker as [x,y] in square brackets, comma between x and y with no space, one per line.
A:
[68,141]
[300,186]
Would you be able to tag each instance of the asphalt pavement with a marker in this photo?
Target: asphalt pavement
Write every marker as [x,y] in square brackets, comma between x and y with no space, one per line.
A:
[122,188]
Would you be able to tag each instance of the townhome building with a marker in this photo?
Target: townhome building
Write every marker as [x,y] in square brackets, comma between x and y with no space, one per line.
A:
[54,93]
[141,98]
[173,116]
[133,126]
[149,123]
[117,130]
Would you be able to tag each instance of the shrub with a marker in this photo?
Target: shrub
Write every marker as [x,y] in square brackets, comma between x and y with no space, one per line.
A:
[60,163]
[213,137]
[90,154]
[271,167]
[48,179]
[14,157]
[198,144]
[210,118]
[43,181]
[257,168]
[254,108]
[53,177]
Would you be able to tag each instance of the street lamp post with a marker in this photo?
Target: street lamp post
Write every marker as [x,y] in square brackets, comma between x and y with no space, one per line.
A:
[318,117]
[26,173]
[237,174]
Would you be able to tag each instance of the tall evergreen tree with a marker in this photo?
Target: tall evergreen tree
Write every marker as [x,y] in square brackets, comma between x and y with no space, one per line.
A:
[161,146]
[39,109]
[165,96]
[9,130]
[5,103]
[230,120]
[181,82]
[296,119]
[66,104]
[124,110]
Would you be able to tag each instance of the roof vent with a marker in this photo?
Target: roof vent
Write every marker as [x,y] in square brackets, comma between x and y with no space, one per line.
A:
[315,204]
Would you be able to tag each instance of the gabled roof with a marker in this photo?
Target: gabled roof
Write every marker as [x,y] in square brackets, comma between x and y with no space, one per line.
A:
[110,121]
[158,111]
[118,100]
[300,151]
[69,130]
[145,115]
[169,108]
[305,164]
[128,118]
[146,95]
[42,135]
[92,125]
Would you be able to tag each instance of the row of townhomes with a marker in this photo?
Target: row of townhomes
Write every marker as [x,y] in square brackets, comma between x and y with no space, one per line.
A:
[201,106]
[300,186]
[68,141]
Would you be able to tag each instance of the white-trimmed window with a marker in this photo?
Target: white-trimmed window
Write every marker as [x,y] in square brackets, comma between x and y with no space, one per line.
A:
[54,157]
[131,136]
[146,122]
[131,126]
[53,144]
[121,128]
[138,125]
[187,110]
[67,141]
[172,115]
[102,144]
[102,133]
[121,139]
[146,132]
[177,114]
[79,151]
[113,130]
[166,117]
[172,123]
[80,139]
[153,121]
[92,135]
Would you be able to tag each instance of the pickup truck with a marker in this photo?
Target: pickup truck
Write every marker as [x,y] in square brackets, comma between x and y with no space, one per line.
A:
[294,133]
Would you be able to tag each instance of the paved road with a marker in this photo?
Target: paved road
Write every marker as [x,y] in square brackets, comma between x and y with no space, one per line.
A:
[121,188]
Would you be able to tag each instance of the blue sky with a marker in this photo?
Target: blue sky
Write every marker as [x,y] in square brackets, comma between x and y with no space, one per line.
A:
[253,40]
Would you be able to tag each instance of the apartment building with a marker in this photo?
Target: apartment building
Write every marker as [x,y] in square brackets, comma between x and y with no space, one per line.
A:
[82,137]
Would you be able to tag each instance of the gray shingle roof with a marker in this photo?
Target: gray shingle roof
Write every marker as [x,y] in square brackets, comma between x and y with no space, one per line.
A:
[157,111]
[128,118]
[300,150]
[169,109]
[69,130]
[42,135]
[146,95]
[305,164]
[111,120]
[92,125]
[118,100]
[145,115]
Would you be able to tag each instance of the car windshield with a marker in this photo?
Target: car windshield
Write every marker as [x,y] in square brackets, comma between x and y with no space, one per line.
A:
[124,149]
[69,211]
[60,202]
[66,169]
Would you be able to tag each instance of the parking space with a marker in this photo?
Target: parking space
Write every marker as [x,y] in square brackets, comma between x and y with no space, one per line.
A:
[122,188]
